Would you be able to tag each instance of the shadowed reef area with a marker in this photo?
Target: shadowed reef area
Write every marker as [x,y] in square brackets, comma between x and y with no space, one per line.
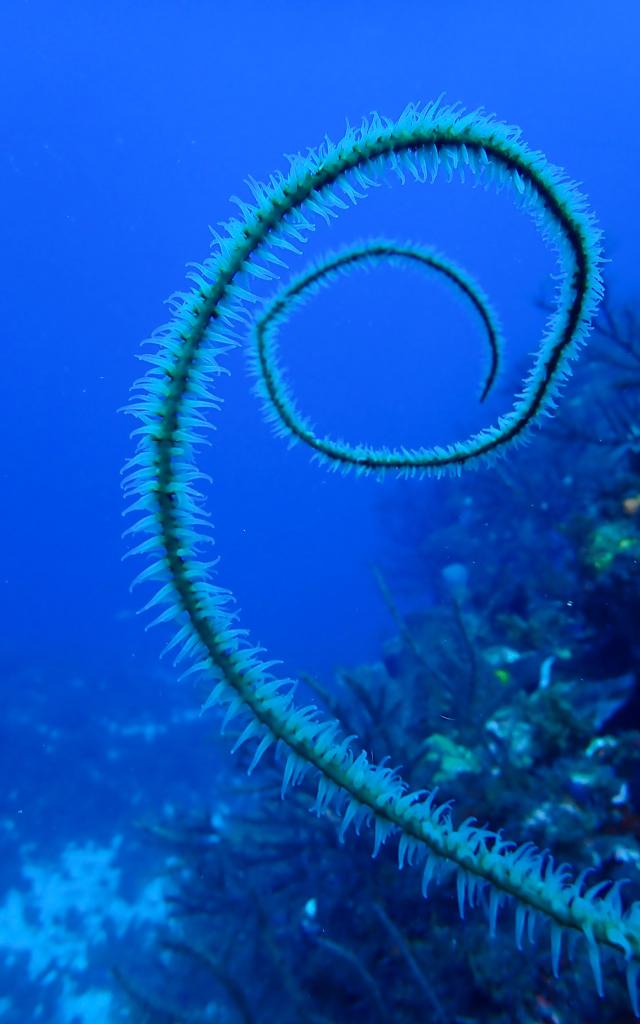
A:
[515,691]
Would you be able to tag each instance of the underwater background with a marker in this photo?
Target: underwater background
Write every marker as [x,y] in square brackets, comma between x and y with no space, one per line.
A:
[481,631]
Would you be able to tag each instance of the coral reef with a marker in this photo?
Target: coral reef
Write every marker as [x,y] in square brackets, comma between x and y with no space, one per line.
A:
[521,702]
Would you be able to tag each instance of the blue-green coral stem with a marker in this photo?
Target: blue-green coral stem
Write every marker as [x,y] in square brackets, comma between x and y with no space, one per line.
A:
[177,389]
[272,386]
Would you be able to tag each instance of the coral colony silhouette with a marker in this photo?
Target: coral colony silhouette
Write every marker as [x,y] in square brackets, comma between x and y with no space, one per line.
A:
[171,404]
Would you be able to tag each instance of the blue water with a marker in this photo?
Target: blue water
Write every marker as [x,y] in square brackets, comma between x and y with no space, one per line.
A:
[125,128]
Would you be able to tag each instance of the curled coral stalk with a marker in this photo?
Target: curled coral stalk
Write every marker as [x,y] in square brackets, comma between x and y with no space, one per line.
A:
[279,404]
[171,402]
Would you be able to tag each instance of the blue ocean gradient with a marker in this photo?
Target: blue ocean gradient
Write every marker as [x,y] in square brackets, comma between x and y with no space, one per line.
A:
[126,127]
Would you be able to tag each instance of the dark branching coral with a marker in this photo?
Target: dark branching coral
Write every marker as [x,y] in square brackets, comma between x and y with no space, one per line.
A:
[262,904]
